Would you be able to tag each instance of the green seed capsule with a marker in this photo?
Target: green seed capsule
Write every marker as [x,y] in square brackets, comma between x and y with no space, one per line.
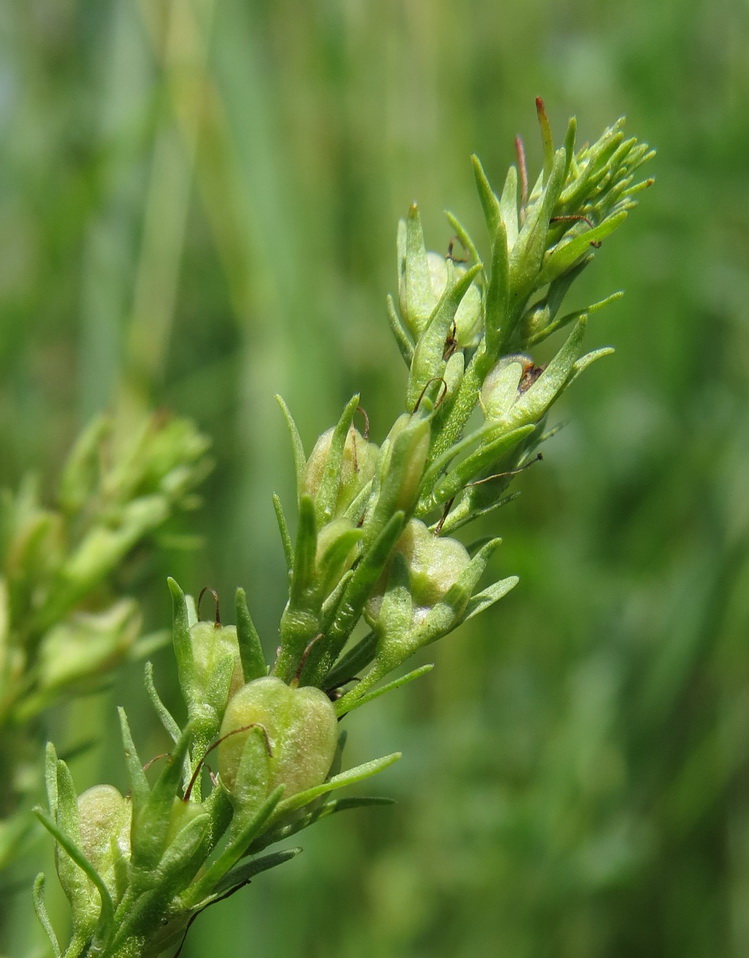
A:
[289,738]
[104,817]
[211,645]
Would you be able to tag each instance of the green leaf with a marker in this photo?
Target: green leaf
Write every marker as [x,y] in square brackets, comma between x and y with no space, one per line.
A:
[467,510]
[465,240]
[485,599]
[326,493]
[288,546]
[526,255]
[400,333]
[569,145]
[279,833]
[473,466]
[534,402]
[508,207]
[181,632]
[250,646]
[564,256]
[588,359]
[150,832]
[303,575]
[497,295]
[139,787]
[245,872]
[41,913]
[487,196]
[365,575]
[345,705]
[242,834]
[297,448]
[350,777]
[356,659]
[165,716]
[106,913]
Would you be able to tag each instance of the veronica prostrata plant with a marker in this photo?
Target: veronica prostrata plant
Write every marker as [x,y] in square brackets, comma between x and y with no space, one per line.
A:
[374,544]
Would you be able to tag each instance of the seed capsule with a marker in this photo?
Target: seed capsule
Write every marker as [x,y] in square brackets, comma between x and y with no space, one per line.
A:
[289,737]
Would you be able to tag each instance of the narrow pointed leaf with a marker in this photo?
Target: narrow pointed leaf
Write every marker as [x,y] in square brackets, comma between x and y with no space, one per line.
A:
[139,787]
[346,704]
[350,777]
[41,913]
[487,196]
[246,871]
[288,545]
[330,481]
[250,646]
[297,448]
[400,333]
[485,599]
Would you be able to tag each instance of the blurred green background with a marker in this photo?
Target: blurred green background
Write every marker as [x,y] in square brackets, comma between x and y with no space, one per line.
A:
[198,202]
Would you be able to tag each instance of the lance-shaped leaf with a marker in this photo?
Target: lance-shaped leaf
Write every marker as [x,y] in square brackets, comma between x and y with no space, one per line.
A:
[244,830]
[296,444]
[326,493]
[42,914]
[400,333]
[497,308]
[250,647]
[488,198]
[73,868]
[569,145]
[283,529]
[165,716]
[349,777]
[181,633]
[83,928]
[303,585]
[417,297]
[352,662]
[487,597]
[139,787]
[526,256]
[565,255]
[473,466]
[303,820]
[588,359]
[246,871]
[508,207]
[152,818]
[352,700]
[357,592]
[300,621]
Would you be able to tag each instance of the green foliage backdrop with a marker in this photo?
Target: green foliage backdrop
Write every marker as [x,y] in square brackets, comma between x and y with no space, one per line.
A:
[198,202]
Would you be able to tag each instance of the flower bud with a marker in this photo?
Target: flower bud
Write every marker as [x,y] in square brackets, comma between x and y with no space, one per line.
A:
[501,386]
[212,644]
[434,564]
[468,317]
[289,737]
[104,821]
[355,470]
